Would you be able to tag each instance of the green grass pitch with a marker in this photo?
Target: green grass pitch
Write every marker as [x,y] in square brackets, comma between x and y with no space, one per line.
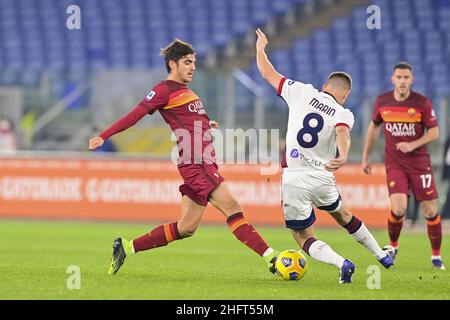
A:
[211,265]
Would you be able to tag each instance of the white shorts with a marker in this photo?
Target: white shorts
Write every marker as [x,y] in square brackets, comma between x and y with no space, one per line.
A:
[301,190]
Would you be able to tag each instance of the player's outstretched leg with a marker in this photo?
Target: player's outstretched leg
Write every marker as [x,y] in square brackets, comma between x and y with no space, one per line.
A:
[361,234]
[191,215]
[159,236]
[222,199]
[247,234]
[322,252]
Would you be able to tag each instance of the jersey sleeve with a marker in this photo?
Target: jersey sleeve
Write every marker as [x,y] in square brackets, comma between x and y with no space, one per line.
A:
[124,123]
[156,99]
[376,115]
[344,118]
[291,90]
[429,117]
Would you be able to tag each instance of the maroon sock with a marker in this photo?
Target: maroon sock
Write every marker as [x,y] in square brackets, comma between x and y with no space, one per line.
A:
[353,225]
[308,242]
[395,225]
[158,237]
[434,228]
[246,233]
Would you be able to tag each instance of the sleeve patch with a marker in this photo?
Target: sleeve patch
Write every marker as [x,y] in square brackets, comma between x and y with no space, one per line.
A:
[150,95]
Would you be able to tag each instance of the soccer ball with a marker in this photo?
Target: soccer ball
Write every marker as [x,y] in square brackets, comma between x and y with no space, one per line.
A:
[291,265]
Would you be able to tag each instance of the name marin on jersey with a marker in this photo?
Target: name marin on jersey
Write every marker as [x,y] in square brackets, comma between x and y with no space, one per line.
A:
[322,107]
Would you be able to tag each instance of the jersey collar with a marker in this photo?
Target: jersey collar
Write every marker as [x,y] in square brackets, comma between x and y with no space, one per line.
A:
[331,96]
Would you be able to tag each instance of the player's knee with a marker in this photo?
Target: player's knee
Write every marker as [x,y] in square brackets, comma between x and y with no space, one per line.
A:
[342,215]
[187,231]
[429,211]
[232,207]
[399,212]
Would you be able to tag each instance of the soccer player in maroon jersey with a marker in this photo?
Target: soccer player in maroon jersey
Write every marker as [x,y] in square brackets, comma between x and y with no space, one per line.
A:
[409,125]
[182,109]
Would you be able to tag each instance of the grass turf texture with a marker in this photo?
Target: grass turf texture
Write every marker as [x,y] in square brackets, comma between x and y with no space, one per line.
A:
[211,265]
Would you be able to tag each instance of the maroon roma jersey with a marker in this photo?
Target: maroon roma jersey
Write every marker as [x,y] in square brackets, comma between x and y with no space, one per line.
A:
[404,121]
[183,111]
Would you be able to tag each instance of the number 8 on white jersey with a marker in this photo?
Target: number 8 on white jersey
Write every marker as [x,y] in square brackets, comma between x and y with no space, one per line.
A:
[313,117]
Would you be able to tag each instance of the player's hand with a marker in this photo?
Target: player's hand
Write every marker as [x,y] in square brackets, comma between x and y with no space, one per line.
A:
[213,124]
[335,164]
[262,41]
[366,167]
[95,143]
[405,147]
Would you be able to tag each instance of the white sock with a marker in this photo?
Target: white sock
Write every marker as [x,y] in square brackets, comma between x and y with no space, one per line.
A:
[319,250]
[267,252]
[364,237]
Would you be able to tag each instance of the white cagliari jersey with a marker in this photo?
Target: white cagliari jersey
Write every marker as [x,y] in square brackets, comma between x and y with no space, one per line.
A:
[313,117]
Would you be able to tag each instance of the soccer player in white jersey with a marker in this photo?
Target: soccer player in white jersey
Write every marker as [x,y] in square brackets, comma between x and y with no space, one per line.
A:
[318,130]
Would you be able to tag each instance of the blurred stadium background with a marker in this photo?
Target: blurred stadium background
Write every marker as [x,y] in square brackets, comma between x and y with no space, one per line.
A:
[59,87]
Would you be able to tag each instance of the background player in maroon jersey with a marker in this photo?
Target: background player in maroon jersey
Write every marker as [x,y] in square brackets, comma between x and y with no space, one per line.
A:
[184,112]
[409,125]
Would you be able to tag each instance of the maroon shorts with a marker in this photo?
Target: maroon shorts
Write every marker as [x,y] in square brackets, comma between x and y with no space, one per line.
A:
[199,181]
[422,184]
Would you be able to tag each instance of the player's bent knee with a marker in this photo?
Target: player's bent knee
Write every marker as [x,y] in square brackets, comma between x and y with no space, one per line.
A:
[186,233]
[341,215]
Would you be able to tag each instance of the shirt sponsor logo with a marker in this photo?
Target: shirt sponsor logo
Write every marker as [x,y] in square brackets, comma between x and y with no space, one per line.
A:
[311,162]
[401,129]
[196,107]
[294,153]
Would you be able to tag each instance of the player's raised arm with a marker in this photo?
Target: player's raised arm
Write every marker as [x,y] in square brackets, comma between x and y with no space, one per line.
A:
[373,131]
[265,67]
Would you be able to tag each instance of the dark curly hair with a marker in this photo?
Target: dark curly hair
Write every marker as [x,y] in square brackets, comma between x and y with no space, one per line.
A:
[176,50]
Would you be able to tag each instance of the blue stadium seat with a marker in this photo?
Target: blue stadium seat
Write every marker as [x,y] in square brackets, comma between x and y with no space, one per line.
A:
[260,12]
[280,7]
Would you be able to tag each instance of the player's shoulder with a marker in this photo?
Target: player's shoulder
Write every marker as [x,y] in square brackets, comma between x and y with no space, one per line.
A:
[162,85]
[419,98]
[160,91]
[298,84]
[385,97]
[345,113]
